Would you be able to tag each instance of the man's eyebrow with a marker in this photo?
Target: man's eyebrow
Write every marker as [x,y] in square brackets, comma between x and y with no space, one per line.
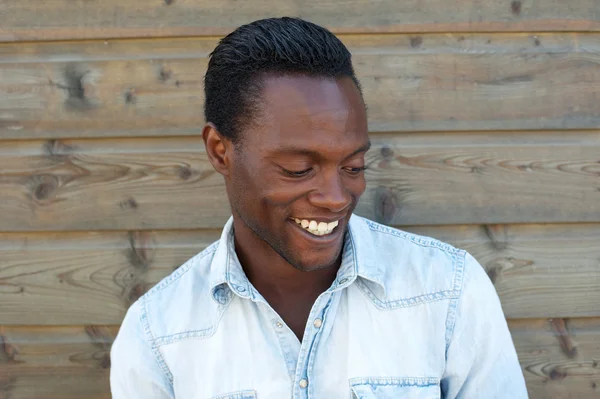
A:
[293,150]
[364,148]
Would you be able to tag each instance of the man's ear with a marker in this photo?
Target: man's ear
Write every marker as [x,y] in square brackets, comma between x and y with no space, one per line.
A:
[218,149]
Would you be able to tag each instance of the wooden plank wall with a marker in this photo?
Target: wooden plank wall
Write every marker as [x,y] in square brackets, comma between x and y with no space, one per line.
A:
[485,120]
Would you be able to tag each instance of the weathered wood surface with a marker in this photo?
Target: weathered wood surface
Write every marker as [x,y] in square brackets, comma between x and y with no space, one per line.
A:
[559,358]
[86,278]
[412,83]
[55,363]
[64,19]
[414,179]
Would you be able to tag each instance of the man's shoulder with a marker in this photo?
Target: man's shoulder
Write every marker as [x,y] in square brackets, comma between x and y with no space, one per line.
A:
[412,268]
[395,236]
[181,302]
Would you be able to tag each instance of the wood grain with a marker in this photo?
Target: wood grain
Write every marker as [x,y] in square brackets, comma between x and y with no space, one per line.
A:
[559,357]
[64,19]
[55,363]
[86,278]
[72,361]
[541,270]
[513,177]
[414,179]
[431,82]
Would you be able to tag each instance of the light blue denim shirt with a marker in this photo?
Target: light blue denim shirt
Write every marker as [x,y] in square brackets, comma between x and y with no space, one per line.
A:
[406,317]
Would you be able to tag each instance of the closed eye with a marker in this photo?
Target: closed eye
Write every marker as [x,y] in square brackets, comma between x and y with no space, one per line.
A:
[356,171]
[300,173]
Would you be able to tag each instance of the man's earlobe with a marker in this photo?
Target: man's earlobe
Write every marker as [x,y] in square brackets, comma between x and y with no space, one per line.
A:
[218,149]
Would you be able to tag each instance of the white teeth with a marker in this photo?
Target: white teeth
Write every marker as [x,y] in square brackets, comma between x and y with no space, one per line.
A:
[317,228]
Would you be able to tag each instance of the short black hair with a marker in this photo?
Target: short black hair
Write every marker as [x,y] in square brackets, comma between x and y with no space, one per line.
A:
[278,46]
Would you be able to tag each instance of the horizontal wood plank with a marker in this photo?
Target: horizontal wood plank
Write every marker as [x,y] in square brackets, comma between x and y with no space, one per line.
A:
[64,19]
[66,362]
[87,278]
[411,83]
[558,358]
[434,178]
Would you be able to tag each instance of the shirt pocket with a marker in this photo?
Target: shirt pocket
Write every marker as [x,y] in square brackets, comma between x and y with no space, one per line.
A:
[395,388]
[237,395]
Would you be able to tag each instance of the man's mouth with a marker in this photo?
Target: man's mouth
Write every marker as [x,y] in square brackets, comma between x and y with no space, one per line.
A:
[316,228]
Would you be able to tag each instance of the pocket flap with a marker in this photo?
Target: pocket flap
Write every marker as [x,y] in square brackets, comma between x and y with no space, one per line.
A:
[393,388]
[238,395]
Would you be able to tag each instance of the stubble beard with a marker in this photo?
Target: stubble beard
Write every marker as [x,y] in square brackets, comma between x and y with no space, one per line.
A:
[279,248]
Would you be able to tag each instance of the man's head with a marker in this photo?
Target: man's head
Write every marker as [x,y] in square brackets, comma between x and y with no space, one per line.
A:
[286,127]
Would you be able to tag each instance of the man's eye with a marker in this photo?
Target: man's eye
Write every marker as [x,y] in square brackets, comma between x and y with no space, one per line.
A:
[300,173]
[356,171]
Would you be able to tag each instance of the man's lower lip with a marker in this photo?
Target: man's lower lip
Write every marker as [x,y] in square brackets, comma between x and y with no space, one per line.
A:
[325,239]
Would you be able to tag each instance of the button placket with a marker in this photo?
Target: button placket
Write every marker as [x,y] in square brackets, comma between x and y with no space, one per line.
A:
[309,345]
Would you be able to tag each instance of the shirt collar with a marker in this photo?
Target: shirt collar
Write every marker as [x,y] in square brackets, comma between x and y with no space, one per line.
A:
[227,275]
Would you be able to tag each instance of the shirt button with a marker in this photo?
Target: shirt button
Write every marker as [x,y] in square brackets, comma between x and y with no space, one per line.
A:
[303,383]
[279,324]
[342,281]
[318,323]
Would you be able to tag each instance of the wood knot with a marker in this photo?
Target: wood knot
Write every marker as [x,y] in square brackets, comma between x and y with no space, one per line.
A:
[515,7]
[43,186]
[58,151]
[562,334]
[184,173]
[100,336]
[536,41]
[8,352]
[136,292]
[385,205]
[416,41]
[141,250]
[105,361]
[169,2]
[498,235]
[493,273]
[77,97]
[164,74]
[386,152]
[129,203]
[557,375]
[130,97]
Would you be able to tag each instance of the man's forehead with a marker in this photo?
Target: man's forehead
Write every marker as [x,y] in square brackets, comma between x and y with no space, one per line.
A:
[305,94]
[296,100]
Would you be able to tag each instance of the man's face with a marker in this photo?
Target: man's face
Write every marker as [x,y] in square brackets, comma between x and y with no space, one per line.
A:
[300,163]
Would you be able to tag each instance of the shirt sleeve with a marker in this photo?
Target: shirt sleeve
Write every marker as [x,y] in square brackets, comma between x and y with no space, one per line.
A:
[136,371]
[481,361]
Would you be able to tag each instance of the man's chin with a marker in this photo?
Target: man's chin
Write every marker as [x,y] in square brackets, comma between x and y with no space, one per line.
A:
[312,264]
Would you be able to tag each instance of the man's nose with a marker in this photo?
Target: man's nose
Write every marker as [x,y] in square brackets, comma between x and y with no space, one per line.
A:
[331,193]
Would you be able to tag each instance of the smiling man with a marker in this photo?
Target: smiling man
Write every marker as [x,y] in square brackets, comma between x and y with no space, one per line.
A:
[300,298]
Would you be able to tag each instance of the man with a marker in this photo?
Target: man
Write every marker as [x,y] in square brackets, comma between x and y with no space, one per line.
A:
[299,298]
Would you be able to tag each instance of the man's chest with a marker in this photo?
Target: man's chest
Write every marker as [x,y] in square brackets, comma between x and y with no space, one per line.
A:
[349,348]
